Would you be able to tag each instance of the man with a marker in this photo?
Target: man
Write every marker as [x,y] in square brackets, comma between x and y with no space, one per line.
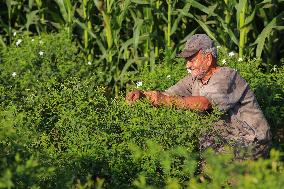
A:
[243,125]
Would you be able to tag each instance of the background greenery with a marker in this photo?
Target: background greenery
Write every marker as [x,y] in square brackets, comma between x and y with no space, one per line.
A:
[123,35]
[60,128]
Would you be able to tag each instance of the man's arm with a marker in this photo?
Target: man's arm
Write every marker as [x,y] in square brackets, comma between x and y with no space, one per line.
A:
[158,98]
[187,102]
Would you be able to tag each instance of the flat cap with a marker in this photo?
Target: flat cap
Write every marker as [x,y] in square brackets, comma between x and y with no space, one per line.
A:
[196,43]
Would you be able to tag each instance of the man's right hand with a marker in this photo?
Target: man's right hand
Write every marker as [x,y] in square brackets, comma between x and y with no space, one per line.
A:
[133,96]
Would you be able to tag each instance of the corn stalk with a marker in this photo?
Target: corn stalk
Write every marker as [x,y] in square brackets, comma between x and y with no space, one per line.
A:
[241,15]
[89,28]
[168,37]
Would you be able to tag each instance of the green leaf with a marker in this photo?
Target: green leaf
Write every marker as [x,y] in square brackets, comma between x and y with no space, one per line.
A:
[32,18]
[201,7]
[141,2]
[206,28]
[265,33]
[136,33]
[228,31]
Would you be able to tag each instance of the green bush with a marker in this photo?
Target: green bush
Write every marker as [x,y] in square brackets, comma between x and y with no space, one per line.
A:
[73,128]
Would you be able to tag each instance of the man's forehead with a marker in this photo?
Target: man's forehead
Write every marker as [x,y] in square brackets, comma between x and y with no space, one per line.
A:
[193,56]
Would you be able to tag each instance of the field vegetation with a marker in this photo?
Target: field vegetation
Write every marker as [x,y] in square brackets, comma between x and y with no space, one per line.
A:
[122,35]
[65,67]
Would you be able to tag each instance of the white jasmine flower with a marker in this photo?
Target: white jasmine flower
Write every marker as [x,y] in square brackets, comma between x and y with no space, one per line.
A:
[33,40]
[15,33]
[89,63]
[40,53]
[274,68]
[240,60]
[139,84]
[231,54]
[14,74]
[19,41]
[218,46]
[169,76]
[224,61]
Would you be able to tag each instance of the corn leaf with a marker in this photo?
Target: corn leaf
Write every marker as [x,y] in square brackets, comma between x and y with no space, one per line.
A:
[201,7]
[260,41]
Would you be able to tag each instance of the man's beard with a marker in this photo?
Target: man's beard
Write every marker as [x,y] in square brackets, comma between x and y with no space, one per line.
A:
[201,75]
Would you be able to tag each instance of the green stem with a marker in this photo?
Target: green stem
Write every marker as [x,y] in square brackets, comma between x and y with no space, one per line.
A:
[89,25]
[86,37]
[242,29]
[169,24]
[227,13]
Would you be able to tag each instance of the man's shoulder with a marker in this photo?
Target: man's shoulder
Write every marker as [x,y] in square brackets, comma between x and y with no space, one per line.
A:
[231,74]
[225,74]
[227,70]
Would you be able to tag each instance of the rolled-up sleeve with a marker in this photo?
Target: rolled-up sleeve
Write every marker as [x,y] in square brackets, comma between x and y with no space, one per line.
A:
[225,89]
[181,88]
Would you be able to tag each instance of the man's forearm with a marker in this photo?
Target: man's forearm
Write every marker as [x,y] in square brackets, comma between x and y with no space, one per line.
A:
[188,102]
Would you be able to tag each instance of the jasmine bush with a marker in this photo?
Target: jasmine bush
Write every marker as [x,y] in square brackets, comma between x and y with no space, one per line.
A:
[58,128]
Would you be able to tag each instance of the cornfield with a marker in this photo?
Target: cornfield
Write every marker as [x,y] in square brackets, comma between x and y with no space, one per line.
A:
[123,35]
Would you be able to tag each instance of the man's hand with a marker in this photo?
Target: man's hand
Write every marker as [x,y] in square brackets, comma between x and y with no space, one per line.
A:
[133,96]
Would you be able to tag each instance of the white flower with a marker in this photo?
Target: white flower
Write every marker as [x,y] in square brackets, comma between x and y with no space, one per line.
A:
[40,42]
[240,60]
[19,41]
[169,76]
[15,33]
[89,63]
[14,74]
[139,84]
[218,46]
[274,68]
[224,61]
[33,40]
[188,71]
[231,53]
[40,53]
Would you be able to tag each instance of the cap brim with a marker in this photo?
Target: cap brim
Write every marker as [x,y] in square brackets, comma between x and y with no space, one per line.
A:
[187,53]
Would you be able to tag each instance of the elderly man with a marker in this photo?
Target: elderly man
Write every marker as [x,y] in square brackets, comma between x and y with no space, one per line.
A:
[243,125]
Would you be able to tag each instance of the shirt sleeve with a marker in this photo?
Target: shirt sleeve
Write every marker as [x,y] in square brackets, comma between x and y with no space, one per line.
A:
[181,88]
[226,90]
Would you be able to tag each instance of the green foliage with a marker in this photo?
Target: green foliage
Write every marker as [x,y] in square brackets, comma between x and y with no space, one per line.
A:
[121,36]
[163,76]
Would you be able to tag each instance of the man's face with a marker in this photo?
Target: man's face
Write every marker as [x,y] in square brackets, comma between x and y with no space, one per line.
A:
[197,65]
